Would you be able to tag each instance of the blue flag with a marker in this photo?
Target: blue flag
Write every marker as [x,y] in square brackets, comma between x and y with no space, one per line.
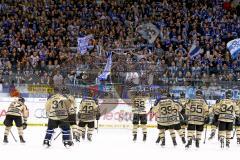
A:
[234,47]
[194,51]
[107,68]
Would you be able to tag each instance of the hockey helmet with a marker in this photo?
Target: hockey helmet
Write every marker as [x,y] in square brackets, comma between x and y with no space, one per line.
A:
[57,90]
[199,94]
[138,93]
[65,90]
[228,94]
[21,99]
[166,93]
[182,95]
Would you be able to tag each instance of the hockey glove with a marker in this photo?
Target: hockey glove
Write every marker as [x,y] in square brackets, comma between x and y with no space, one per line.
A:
[237,121]
[98,116]
[215,120]
[206,120]
[24,125]
[79,115]
[72,119]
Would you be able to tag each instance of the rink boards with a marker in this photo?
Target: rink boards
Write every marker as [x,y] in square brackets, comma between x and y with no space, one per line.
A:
[116,113]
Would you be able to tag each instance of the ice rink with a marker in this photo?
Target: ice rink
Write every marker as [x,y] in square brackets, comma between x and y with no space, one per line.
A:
[111,144]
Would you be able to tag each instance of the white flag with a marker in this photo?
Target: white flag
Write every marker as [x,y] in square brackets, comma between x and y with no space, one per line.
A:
[234,47]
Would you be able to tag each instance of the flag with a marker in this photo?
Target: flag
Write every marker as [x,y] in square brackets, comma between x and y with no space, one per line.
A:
[107,69]
[234,47]
[148,31]
[195,51]
[83,43]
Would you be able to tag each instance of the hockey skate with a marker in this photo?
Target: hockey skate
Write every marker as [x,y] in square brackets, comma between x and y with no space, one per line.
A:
[144,137]
[46,143]
[134,137]
[222,142]
[227,143]
[83,135]
[174,141]
[163,142]
[21,139]
[5,139]
[158,140]
[183,140]
[238,140]
[189,143]
[76,137]
[197,143]
[89,137]
[68,144]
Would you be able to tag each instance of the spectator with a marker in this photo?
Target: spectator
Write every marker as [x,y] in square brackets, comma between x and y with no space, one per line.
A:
[58,79]
[41,36]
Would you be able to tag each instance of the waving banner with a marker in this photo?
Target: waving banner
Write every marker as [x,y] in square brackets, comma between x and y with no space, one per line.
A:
[234,47]
[195,51]
[83,43]
[107,70]
[148,31]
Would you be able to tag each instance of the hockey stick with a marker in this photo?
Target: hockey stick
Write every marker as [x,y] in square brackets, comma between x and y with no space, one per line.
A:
[205,135]
[234,133]
[57,136]
[13,136]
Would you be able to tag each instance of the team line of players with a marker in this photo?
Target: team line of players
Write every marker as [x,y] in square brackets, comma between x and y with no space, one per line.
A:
[191,115]
[181,115]
[61,112]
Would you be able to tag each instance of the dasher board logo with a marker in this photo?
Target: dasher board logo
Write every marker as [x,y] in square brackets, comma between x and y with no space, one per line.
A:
[40,113]
[2,113]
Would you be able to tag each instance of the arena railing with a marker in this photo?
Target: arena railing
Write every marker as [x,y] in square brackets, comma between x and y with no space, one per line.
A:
[118,86]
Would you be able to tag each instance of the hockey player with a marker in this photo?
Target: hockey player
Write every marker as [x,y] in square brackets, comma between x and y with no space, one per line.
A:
[213,123]
[88,112]
[139,101]
[72,112]
[167,112]
[17,112]
[224,114]
[197,113]
[178,107]
[58,109]
[183,119]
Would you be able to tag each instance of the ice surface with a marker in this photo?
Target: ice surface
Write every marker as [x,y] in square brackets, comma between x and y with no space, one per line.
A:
[111,144]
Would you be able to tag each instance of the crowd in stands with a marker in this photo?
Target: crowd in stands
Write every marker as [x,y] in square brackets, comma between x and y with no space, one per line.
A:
[38,40]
